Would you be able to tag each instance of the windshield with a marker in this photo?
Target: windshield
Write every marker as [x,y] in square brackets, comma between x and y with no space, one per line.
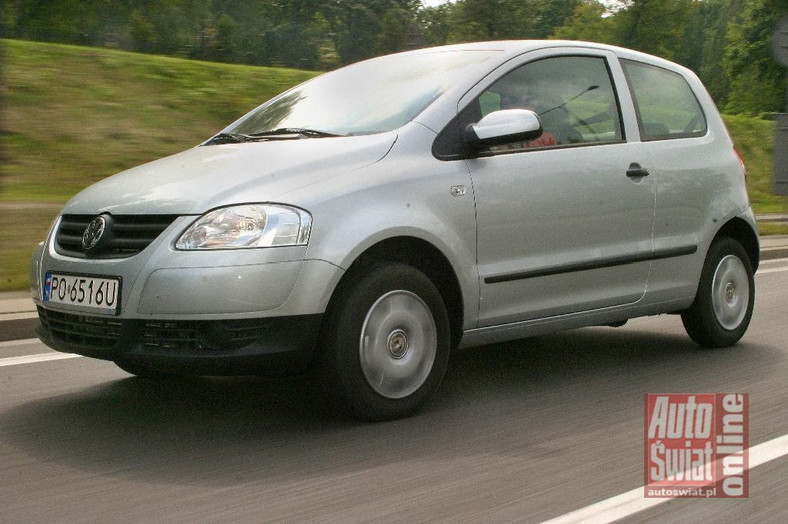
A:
[369,97]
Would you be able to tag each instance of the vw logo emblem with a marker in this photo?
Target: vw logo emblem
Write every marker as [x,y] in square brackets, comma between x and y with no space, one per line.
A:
[93,233]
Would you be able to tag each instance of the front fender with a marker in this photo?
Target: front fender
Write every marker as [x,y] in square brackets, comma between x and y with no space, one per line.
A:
[401,196]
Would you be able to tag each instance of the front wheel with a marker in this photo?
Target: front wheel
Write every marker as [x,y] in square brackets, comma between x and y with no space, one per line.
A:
[726,293]
[387,342]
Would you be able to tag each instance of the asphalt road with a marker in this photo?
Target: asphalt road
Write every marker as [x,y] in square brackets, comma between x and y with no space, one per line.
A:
[519,432]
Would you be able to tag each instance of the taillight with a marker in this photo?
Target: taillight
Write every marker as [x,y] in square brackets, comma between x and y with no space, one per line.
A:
[741,161]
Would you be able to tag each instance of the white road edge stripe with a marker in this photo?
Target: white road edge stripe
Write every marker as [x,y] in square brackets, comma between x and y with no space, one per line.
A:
[32,359]
[18,342]
[773,270]
[633,501]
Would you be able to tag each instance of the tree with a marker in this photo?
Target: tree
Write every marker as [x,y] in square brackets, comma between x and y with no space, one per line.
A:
[552,14]
[393,34]
[757,80]
[318,32]
[225,38]
[714,18]
[142,32]
[588,23]
[435,23]
[491,19]
[361,28]
[654,26]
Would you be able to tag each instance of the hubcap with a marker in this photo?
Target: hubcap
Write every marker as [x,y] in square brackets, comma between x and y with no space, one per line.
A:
[398,344]
[730,292]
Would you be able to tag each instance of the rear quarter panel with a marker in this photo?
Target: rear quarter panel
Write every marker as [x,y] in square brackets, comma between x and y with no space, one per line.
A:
[700,187]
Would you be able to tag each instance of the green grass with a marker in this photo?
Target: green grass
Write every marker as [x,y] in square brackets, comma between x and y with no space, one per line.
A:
[754,139]
[74,115]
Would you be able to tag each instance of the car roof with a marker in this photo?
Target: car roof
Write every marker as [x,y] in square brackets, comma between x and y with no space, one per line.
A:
[512,48]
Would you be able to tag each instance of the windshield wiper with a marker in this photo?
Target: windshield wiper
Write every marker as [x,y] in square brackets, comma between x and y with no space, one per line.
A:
[285,131]
[282,133]
[229,138]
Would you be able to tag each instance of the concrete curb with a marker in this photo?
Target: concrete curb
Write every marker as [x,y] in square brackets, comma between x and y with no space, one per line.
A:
[18,329]
[773,217]
[18,318]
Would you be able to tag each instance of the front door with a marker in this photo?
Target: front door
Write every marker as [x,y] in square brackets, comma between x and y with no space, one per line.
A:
[564,222]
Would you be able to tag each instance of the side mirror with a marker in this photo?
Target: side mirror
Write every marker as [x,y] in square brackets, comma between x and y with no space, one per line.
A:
[502,127]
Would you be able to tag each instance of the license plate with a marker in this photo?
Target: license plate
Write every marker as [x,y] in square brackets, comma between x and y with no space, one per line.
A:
[86,292]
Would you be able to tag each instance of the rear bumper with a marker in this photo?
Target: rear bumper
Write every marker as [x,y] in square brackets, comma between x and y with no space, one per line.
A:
[261,346]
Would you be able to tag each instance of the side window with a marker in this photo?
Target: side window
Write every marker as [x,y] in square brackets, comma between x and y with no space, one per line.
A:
[665,104]
[573,96]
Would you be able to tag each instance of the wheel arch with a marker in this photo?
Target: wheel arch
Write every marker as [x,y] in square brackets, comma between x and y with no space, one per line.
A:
[423,256]
[741,231]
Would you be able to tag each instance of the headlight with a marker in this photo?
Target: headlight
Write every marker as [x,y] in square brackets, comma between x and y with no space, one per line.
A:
[248,226]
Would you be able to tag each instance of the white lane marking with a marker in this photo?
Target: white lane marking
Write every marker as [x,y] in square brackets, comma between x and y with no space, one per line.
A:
[772,270]
[33,359]
[20,342]
[773,260]
[633,501]
[17,316]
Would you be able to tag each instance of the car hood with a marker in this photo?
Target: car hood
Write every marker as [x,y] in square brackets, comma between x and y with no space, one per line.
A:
[206,177]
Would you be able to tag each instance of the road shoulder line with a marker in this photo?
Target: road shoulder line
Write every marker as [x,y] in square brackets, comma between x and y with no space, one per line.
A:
[631,502]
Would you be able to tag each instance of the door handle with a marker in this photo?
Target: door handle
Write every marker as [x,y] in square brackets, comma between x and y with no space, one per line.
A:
[635,171]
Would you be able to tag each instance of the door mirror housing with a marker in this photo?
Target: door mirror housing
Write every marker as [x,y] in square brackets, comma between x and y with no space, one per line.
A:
[502,127]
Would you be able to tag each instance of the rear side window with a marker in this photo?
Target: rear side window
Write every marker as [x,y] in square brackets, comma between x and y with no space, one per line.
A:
[665,104]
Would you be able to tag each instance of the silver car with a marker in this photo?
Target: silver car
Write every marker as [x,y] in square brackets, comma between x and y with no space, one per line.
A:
[364,224]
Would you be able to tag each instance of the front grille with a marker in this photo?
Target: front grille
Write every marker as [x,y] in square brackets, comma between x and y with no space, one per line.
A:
[124,236]
[157,335]
[92,332]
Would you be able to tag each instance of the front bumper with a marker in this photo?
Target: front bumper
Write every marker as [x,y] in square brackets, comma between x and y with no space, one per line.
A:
[209,313]
[261,346]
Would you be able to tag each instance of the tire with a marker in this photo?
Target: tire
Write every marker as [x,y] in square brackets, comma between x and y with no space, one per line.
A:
[724,302]
[387,343]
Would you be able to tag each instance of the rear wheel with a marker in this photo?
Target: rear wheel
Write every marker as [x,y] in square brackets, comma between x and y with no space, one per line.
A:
[726,293]
[387,342]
